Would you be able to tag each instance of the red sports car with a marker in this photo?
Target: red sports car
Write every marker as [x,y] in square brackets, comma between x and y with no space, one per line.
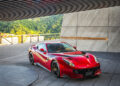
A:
[64,60]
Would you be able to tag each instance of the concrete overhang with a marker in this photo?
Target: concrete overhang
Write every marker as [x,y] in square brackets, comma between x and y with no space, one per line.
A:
[23,9]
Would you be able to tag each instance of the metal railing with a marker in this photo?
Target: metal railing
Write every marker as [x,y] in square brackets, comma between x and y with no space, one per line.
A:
[29,38]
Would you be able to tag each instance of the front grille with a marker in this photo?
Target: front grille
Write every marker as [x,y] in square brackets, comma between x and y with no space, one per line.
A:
[83,71]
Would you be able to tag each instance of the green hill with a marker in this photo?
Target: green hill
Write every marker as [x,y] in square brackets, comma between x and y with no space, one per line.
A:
[41,25]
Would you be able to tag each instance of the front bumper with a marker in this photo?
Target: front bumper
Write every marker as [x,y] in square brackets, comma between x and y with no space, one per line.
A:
[81,73]
[84,71]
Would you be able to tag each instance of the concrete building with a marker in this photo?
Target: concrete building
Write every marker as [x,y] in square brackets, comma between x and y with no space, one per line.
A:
[93,30]
[91,25]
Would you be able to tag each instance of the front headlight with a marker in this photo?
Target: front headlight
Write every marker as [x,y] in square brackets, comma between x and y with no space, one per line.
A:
[69,63]
[96,59]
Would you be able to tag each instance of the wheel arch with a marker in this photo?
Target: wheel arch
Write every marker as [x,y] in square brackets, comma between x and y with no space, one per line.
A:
[51,64]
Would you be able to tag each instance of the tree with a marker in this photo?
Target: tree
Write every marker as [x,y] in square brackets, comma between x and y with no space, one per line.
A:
[49,24]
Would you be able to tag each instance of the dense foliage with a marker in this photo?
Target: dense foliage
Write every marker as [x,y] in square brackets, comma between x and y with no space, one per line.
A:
[43,25]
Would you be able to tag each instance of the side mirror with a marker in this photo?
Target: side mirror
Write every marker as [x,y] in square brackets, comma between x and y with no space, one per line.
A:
[74,47]
[42,50]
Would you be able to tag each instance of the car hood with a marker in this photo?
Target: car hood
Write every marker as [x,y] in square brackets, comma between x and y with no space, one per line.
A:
[78,59]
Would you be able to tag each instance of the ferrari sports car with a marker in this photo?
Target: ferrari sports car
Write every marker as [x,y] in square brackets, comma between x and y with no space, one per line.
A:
[62,59]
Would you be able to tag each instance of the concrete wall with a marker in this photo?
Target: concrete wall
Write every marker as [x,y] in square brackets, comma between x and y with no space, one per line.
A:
[93,23]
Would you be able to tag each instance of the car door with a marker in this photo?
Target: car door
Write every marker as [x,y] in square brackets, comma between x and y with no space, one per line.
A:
[42,57]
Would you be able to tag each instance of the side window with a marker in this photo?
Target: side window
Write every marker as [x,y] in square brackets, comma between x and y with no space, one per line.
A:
[42,46]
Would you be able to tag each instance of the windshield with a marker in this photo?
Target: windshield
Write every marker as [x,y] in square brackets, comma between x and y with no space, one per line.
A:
[59,48]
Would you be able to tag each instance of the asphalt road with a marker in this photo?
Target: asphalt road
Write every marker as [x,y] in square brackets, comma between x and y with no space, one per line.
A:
[15,70]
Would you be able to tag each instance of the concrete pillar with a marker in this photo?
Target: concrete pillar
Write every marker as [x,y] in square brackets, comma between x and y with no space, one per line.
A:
[0,38]
[22,38]
[93,24]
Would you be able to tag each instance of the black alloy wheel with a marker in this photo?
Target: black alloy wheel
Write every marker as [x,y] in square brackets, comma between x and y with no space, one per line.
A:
[55,69]
[31,58]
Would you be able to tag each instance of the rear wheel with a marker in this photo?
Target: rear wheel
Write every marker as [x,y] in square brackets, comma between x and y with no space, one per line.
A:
[31,58]
[55,69]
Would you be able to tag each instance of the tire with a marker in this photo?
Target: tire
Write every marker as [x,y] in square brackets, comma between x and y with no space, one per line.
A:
[55,69]
[31,59]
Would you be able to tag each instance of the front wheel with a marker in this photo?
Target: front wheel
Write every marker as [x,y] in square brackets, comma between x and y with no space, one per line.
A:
[55,69]
[31,58]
